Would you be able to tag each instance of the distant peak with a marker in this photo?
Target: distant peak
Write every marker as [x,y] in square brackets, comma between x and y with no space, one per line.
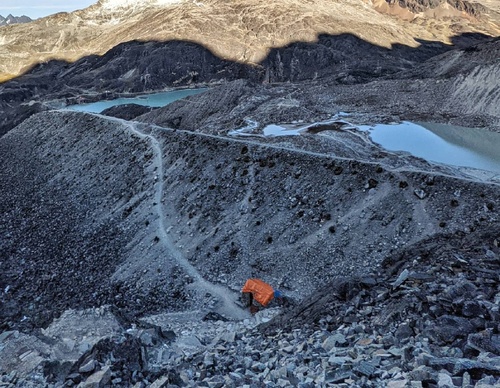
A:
[11,19]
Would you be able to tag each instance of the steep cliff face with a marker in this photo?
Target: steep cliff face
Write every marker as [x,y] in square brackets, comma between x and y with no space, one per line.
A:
[469,78]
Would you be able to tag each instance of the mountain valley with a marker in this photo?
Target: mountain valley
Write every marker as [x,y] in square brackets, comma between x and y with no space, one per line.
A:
[126,236]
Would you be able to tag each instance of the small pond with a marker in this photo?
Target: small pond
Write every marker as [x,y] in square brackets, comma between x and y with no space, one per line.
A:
[448,144]
[153,100]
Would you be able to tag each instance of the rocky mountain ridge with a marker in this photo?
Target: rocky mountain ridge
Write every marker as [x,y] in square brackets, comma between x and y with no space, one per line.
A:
[141,67]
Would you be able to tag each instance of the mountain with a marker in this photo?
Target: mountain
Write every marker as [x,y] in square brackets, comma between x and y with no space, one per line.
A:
[239,30]
[126,236]
[4,21]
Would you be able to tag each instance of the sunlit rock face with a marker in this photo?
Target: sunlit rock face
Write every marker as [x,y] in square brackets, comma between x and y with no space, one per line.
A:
[240,30]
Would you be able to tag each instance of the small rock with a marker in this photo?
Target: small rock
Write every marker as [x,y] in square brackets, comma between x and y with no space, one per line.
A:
[397,384]
[216,382]
[208,360]
[236,376]
[398,352]
[401,278]
[160,383]
[189,342]
[364,342]
[75,377]
[336,378]
[213,316]
[445,381]
[5,335]
[98,379]
[404,332]
[88,367]
[485,342]
[338,361]
[365,368]
[333,340]
[147,337]
[229,337]
[421,373]
[486,382]
[84,347]
[466,380]
[421,194]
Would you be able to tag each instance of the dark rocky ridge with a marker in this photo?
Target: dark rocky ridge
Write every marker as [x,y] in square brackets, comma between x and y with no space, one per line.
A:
[460,87]
[140,67]
[127,111]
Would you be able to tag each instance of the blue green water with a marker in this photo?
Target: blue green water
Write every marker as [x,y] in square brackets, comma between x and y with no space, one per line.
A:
[448,144]
[153,100]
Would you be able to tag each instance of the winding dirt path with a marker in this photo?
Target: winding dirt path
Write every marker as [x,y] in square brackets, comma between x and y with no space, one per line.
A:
[226,297]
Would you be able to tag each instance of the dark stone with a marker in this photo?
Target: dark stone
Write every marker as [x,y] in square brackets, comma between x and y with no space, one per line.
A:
[372,183]
[368,281]
[365,368]
[333,377]
[56,371]
[448,328]
[213,316]
[472,308]
[75,377]
[485,342]
[404,332]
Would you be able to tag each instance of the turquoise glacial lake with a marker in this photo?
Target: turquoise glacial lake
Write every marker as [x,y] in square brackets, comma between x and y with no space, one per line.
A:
[448,144]
[152,100]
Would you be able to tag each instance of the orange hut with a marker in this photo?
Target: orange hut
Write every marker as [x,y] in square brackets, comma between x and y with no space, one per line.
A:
[261,291]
